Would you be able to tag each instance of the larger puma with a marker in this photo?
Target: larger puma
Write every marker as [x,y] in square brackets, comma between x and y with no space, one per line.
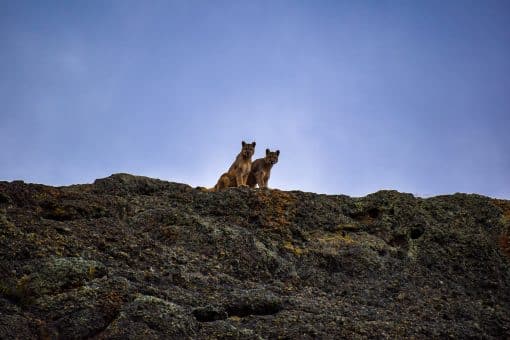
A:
[237,174]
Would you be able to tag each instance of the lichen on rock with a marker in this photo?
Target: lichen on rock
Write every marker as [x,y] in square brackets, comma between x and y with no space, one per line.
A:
[135,257]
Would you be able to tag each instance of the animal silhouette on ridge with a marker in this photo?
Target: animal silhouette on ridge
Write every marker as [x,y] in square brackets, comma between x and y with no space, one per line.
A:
[237,174]
[261,169]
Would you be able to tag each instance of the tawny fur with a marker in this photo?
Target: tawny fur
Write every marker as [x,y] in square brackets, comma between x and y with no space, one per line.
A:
[261,169]
[237,174]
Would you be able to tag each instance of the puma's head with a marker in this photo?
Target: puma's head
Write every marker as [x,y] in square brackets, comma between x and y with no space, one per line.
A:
[248,149]
[272,156]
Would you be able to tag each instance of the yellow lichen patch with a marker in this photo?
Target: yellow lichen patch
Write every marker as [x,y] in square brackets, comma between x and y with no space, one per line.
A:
[47,192]
[32,237]
[235,318]
[349,226]
[92,272]
[331,243]
[59,251]
[293,249]
[336,239]
[505,207]
[59,212]
[276,206]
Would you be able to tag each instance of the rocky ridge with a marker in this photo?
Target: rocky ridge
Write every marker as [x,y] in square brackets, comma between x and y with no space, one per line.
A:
[135,257]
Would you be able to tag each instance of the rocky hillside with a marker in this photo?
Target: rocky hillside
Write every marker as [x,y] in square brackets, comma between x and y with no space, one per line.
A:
[134,257]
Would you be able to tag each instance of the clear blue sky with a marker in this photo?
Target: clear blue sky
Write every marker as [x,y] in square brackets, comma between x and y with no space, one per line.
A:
[358,95]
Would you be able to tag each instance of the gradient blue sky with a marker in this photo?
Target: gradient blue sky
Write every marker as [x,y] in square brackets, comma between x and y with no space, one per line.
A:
[358,95]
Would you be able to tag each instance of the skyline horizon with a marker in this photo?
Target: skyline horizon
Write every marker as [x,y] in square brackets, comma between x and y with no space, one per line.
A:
[357,96]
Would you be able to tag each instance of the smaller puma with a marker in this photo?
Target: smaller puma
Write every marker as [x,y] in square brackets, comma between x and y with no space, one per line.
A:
[261,169]
[237,174]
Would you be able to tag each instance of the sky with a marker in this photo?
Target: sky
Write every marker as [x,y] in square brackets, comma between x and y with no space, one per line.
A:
[358,96]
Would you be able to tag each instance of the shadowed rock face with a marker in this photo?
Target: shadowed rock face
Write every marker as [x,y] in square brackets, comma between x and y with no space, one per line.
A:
[134,257]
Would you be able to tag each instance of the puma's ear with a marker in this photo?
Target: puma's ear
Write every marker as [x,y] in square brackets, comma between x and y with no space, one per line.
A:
[267,152]
[254,144]
[243,143]
[278,152]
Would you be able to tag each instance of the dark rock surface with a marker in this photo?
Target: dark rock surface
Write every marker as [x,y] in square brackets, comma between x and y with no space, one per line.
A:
[134,257]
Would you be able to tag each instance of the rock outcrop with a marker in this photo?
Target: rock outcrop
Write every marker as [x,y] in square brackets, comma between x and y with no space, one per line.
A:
[134,257]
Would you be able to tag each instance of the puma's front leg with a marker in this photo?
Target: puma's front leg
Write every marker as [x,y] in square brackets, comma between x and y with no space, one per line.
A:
[245,179]
[265,180]
[240,180]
